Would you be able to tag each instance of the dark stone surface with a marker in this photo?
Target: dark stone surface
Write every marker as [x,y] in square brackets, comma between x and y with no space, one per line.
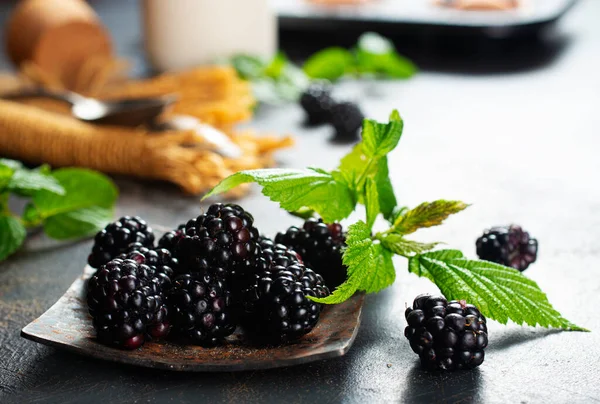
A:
[510,127]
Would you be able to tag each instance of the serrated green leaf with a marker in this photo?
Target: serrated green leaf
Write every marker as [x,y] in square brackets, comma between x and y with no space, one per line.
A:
[383,274]
[371,202]
[406,248]
[378,139]
[358,258]
[83,189]
[500,292]
[330,63]
[325,193]
[12,235]
[427,214]
[25,182]
[77,224]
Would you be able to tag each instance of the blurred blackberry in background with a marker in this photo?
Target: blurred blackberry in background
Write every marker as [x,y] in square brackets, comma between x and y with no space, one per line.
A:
[319,246]
[317,102]
[200,307]
[125,301]
[446,336]
[347,119]
[507,245]
[219,242]
[116,238]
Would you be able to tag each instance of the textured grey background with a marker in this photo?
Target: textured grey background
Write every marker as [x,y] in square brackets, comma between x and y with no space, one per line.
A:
[511,127]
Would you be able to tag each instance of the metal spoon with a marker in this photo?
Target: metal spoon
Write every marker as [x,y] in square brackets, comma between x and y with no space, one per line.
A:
[129,112]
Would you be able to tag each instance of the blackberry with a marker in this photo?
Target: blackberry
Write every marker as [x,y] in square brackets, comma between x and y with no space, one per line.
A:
[282,311]
[221,242]
[319,245]
[200,308]
[446,335]
[159,260]
[347,119]
[169,240]
[116,238]
[317,102]
[507,245]
[125,301]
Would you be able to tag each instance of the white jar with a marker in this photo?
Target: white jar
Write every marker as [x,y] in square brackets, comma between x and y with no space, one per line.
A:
[185,33]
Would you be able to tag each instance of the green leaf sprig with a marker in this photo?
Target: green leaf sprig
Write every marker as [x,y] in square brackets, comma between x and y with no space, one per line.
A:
[362,178]
[280,80]
[68,203]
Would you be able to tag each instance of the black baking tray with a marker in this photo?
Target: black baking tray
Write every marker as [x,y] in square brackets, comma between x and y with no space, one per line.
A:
[399,15]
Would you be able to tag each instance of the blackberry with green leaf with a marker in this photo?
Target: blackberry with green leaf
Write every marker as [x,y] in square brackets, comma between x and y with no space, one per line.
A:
[446,335]
[200,307]
[125,301]
[116,238]
[220,241]
[509,246]
[347,119]
[317,102]
[319,245]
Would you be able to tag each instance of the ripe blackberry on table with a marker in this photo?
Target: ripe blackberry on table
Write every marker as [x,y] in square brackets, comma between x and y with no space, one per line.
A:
[446,335]
[507,245]
[281,309]
[317,102]
[125,301]
[160,260]
[200,307]
[170,239]
[220,241]
[319,244]
[116,238]
[347,119]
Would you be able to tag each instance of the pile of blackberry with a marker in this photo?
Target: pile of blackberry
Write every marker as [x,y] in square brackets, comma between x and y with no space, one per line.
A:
[319,244]
[446,335]
[320,107]
[509,246]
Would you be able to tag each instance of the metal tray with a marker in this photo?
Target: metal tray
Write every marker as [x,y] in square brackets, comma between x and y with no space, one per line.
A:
[67,325]
[532,15]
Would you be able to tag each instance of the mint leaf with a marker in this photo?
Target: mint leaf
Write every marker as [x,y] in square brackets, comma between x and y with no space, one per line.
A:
[371,202]
[325,193]
[12,235]
[83,189]
[330,63]
[78,223]
[501,293]
[427,214]
[376,54]
[378,139]
[406,248]
[25,182]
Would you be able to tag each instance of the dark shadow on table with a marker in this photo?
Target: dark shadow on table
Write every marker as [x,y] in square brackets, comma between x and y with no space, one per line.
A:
[518,336]
[431,387]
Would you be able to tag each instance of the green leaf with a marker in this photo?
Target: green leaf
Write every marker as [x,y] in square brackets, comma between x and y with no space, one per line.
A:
[427,214]
[376,54]
[6,174]
[303,213]
[358,258]
[248,67]
[396,212]
[12,235]
[371,202]
[330,63]
[79,223]
[383,274]
[500,292]
[84,189]
[325,193]
[13,164]
[378,139]
[277,65]
[406,248]
[25,182]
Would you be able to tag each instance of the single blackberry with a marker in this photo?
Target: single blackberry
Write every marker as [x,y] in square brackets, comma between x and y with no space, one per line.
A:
[507,245]
[446,335]
[319,245]
[281,309]
[170,239]
[159,260]
[116,238]
[221,241]
[200,308]
[347,119]
[317,102]
[125,301]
